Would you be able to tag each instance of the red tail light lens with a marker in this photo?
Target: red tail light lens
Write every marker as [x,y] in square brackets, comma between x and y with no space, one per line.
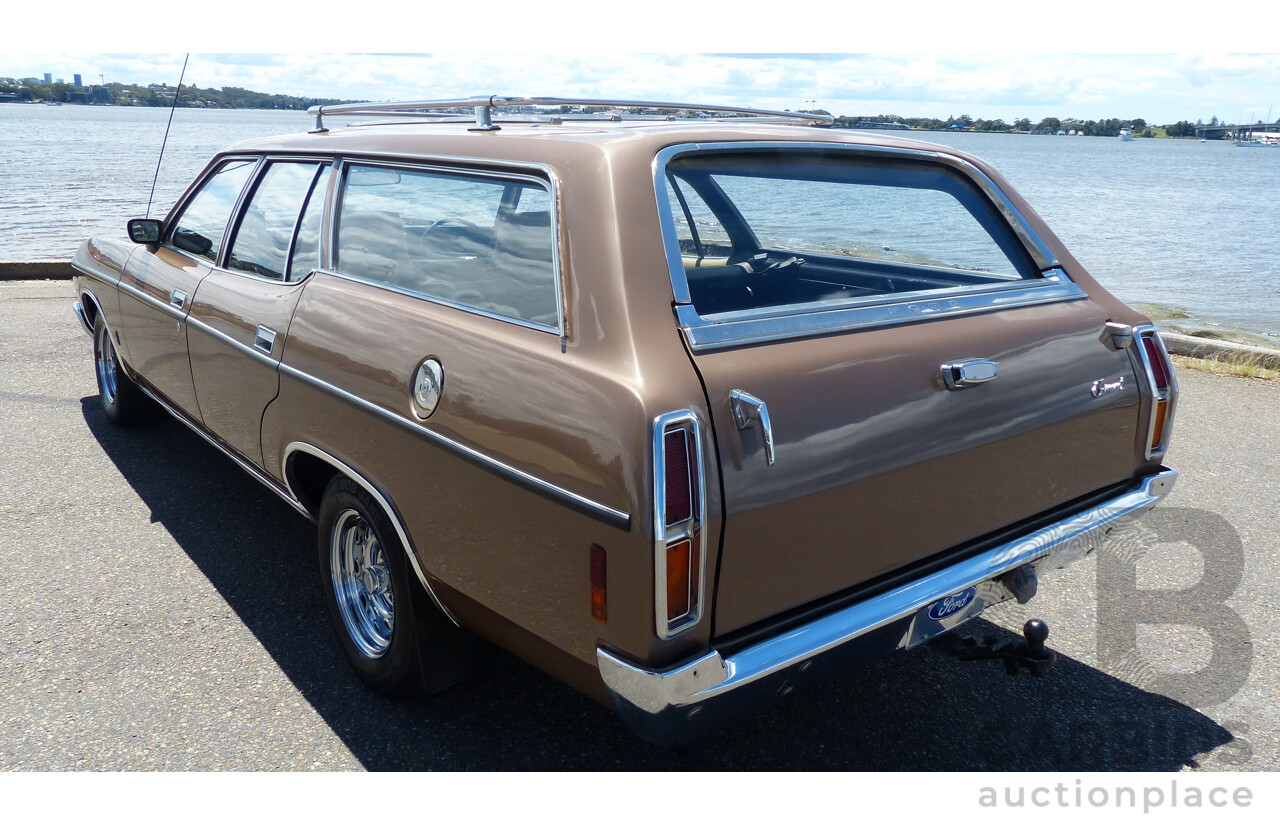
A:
[1156,359]
[1162,385]
[678,475]
[679,556]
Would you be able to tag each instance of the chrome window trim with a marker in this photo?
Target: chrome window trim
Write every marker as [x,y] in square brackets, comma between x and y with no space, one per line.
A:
[1169,395]
[383,502]
[663,534]
[246,197]
[233,220]
[711,332]
[782,323]
[441,166]
[601,512]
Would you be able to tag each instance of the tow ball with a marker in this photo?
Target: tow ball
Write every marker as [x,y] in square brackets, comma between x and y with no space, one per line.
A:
[1028,652]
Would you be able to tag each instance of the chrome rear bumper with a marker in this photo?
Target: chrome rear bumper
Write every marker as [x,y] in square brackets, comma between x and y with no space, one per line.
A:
[669,705]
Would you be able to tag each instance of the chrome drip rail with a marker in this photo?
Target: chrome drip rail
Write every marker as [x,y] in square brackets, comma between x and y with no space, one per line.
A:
[484,107]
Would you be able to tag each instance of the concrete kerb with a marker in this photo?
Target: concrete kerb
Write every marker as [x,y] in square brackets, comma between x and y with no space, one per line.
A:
[1226,351]
[35,270]
[1177,343]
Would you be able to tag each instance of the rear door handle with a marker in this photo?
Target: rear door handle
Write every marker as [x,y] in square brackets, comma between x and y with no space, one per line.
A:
[264,338]
[967,372]
[177,298]
[747,410]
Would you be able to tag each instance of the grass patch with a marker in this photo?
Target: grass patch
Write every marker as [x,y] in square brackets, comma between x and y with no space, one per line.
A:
[1242,368]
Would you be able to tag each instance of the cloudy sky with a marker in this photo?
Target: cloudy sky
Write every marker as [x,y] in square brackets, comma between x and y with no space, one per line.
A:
[989,59]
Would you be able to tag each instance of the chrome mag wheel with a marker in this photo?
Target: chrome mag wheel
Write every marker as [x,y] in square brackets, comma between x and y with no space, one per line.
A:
[361,581]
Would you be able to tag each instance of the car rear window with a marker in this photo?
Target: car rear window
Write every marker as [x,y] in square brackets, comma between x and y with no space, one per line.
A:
[779,229]
[483,243]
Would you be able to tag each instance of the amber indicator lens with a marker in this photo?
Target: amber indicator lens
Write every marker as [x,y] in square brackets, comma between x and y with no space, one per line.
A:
[679,556]
[1157,430]
[598,579]
[678,493]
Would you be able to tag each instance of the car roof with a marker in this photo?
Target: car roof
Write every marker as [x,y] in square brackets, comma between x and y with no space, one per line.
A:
[552,143]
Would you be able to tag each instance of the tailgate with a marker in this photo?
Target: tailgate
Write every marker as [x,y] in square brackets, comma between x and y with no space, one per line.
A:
[879,464]
[927,371]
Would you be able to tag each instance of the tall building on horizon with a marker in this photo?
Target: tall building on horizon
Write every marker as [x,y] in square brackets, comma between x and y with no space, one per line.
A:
[77,77]
[48,77]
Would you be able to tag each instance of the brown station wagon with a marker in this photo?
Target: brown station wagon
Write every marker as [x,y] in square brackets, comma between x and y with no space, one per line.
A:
[673,402]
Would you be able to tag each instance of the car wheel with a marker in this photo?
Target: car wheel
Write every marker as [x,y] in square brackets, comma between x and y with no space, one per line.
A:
[122,400]
[394,637]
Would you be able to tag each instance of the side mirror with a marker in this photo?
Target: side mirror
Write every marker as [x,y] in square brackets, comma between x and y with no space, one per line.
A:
[144,230]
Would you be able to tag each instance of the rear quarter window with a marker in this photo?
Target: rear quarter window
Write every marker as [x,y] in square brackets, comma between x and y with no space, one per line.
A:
[483,243]
[788,229]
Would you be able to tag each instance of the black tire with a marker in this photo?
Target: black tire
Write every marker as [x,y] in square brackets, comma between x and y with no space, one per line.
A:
[392,634]
[122,401]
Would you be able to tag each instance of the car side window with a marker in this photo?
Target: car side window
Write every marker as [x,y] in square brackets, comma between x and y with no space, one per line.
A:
[266,232]
[199,229]
[483,243]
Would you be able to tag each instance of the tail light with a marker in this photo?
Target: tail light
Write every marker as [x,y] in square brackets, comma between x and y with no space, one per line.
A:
[1162,384]
[678,516]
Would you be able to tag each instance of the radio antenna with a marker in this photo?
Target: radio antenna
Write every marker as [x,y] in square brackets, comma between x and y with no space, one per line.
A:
[177,92]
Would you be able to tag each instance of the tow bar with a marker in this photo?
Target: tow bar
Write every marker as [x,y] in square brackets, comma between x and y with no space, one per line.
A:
[1029,652]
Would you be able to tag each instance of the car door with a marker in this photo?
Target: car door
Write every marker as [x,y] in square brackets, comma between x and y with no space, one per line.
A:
[159,282]
[241,310]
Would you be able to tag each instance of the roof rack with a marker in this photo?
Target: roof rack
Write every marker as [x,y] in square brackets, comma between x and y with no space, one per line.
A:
[483,108]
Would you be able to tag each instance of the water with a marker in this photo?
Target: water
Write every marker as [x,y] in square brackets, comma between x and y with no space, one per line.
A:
[1173,222]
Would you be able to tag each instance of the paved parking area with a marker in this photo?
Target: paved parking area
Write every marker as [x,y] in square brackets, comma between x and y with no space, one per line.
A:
[159,610]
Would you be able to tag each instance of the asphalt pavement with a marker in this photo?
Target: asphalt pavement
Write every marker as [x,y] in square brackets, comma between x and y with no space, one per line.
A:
[160,610]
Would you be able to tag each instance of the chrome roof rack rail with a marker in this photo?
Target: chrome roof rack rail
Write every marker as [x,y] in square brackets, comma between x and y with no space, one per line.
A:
[483,107]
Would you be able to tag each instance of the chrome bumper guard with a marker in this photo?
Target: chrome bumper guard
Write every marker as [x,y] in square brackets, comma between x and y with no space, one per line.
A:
[671,705]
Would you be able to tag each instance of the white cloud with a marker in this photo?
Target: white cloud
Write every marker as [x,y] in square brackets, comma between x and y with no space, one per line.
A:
[1158,87]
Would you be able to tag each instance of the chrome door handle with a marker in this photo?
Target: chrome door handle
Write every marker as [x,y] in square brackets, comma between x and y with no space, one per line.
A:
[747,410]
[177,298]
[967,372]
[264,339]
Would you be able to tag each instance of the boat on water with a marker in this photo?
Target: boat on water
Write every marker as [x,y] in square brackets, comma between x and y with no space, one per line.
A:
[1126,133]
[1261,139]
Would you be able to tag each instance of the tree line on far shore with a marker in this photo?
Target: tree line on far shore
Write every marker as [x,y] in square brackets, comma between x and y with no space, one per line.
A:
[1107,127]
[233,97]
[155,94]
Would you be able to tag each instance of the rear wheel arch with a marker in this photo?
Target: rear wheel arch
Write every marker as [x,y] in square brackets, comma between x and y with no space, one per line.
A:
[308,471]
[89,303]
